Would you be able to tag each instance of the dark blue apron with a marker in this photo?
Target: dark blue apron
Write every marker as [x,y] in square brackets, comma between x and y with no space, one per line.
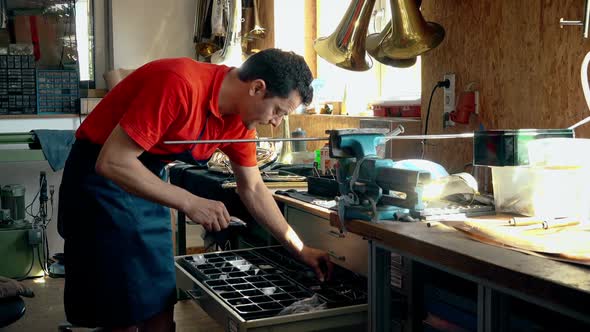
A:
[118,247]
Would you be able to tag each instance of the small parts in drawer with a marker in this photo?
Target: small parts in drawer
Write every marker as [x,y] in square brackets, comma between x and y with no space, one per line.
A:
[261,282]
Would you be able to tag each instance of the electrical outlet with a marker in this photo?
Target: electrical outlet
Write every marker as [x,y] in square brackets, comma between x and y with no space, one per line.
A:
[34,236]
[449,100]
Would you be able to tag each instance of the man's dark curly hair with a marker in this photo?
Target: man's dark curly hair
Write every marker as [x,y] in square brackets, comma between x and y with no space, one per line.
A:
[282,72]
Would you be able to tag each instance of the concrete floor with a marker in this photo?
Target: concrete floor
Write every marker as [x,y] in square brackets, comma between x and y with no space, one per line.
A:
[45,311]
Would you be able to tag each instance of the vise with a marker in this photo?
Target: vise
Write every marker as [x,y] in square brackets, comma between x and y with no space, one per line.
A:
[373,188]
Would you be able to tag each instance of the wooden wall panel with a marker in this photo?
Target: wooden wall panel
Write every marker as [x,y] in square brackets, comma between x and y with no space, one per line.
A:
[310,26]
[526,67]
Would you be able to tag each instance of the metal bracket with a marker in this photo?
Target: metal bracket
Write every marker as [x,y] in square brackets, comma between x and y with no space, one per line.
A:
[585,22]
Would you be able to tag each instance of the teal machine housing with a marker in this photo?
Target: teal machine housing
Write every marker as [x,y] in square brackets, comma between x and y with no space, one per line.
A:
[20,244]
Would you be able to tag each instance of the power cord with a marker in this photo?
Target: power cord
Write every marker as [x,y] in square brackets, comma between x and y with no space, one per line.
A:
[440,84]
[42,219]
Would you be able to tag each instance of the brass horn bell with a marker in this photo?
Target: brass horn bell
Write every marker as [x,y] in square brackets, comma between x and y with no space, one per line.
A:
[373,45]
[345,47]
[410,34]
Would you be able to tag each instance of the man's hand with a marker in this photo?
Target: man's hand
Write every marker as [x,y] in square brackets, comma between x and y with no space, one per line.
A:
[212,215]
[318,260]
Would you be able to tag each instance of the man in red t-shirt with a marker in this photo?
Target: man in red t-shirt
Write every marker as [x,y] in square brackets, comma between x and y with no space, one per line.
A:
[113,215]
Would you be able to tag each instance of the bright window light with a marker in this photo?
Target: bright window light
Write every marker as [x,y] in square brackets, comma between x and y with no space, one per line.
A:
[83,41]
[289,32]
[380,83]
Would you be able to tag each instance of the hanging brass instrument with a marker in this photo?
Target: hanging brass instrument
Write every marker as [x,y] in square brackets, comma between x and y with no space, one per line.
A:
[286,154]
[373,44]
[231,53]
[258,32]
[203,47]
[345,47]
[404,38]
[410,34]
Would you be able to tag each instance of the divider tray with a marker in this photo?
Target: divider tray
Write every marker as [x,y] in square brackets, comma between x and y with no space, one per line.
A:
[261,282]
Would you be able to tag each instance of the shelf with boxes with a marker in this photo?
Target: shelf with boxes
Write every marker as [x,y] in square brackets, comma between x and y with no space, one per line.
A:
[58,91]
[18,93]
[28,90]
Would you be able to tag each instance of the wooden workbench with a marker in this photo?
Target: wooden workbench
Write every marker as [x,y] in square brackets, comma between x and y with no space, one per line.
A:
[559,286]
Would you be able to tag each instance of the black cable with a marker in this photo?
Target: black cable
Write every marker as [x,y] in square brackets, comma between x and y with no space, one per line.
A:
[45,251]
[31,206]
[446,83]
[41,262]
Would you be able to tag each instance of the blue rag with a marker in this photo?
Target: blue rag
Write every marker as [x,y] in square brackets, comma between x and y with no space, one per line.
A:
[56,145]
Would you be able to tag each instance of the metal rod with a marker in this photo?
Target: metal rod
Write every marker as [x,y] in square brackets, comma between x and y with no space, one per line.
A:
[255,140]
[563,22]
[249,140]
[586,20]
[441,136]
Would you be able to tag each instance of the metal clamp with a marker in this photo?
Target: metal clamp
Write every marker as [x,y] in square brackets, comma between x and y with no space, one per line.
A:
[585,22]
[196,295]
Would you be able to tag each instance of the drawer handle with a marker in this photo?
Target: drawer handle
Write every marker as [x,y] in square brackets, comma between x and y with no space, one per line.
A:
[335,256]
[195,294]
[335,234]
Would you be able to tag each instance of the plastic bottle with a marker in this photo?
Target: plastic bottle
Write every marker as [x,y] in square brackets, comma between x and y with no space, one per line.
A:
[299,145]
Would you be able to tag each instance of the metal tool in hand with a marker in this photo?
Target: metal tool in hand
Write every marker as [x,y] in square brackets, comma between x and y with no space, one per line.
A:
[235,221]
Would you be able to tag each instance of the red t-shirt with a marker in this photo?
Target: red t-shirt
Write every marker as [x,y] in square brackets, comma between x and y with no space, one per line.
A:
[168,100]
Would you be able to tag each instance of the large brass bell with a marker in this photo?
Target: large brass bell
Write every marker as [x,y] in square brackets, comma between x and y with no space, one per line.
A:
[410,34]
[373,46]
[345,47]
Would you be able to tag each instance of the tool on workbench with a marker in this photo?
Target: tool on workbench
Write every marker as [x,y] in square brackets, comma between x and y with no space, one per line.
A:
[366,179]
[544,223]
[374,189]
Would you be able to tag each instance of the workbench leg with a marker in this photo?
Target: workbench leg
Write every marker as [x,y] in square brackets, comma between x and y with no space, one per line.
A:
[379,288]
[492,311]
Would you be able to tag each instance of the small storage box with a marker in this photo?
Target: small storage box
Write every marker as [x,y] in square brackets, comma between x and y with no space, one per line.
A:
[540,191]
[58,91]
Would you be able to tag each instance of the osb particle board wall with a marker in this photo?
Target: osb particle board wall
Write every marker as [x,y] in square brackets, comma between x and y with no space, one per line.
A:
[314,126]
[526,67]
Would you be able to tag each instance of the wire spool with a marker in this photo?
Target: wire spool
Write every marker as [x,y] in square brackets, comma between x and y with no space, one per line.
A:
[12,198]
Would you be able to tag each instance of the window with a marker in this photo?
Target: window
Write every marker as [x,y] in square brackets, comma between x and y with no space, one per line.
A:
[289,14]
[381,82]
[60,32]
[84,39]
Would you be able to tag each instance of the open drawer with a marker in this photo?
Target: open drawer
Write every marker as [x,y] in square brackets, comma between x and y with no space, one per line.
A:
[245,290]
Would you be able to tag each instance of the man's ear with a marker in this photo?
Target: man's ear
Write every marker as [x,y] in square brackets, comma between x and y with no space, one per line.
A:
[257,87]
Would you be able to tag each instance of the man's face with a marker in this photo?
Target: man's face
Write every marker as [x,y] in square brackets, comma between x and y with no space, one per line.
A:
[260,110]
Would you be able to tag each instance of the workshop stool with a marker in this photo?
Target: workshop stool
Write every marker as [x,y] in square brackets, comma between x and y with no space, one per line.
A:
[11,310]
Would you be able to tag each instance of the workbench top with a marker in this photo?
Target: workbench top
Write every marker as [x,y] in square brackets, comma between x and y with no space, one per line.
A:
[526,276]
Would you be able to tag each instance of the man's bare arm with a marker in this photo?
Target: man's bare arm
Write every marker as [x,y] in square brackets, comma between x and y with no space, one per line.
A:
[118,161]
[262,206]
